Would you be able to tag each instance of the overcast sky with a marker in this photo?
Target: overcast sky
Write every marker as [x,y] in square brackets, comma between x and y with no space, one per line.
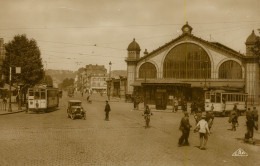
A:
[74,33]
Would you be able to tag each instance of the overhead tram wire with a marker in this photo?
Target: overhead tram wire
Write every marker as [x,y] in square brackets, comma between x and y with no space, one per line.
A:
[122,26]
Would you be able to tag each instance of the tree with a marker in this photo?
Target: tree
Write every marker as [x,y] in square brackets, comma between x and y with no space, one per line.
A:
[24,53]
[48,80]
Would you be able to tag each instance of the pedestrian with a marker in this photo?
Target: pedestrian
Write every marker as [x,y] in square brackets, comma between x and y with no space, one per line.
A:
[135,103]
[5,102]
[210,118]
[176,104]
[250,124]
[255,115]
[233,118]
[198,116]
[185,129]
[204,132]
[107,110]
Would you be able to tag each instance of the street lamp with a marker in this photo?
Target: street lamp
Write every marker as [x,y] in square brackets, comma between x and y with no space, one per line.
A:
[109,81]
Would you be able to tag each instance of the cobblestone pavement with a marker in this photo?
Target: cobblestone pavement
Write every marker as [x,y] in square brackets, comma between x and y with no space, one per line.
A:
[53,139]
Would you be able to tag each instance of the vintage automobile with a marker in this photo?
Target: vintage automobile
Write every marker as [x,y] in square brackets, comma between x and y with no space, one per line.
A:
[75,110]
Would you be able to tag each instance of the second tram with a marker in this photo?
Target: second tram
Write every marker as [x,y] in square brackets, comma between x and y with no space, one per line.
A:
[223,102]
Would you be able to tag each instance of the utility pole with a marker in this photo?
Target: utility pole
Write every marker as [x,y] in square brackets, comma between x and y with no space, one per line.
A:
[109,81]
[10,92]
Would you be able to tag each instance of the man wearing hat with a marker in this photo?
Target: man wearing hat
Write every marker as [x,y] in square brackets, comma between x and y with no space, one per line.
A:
[203,132]
[185,128]
[107,110]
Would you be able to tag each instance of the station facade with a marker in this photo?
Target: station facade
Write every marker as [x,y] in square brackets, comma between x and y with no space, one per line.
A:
[188,66]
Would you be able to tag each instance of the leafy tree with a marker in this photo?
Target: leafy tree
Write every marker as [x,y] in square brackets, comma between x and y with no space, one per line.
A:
[24,53]
[48,80]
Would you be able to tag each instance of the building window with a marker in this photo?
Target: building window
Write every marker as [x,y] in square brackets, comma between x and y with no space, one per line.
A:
[230,70]
[187,60]
[147,70]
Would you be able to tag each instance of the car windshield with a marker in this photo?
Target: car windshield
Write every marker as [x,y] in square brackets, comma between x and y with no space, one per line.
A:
[75,104]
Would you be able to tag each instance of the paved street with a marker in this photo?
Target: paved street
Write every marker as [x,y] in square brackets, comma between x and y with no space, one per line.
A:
[53,139]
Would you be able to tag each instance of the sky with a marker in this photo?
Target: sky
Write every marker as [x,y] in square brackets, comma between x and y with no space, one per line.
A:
[75,33]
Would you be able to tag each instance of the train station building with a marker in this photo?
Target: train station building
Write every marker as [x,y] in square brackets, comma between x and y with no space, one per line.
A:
[187,66]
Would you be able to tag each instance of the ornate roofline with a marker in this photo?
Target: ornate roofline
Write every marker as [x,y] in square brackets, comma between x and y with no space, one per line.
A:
[215,45]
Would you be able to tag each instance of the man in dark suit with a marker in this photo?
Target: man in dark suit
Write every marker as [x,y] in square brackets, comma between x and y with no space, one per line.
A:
[107,110]
[185,128]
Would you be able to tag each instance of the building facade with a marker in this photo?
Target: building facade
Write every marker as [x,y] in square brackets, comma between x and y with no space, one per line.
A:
[189,65]
[92,79]
[117,86]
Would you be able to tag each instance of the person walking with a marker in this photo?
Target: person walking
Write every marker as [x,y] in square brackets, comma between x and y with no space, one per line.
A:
[204,132]
[176,104]
[250,124]
[185,129]
[233,118]
[197,116]
[107,110]
[209,118]
[255,115]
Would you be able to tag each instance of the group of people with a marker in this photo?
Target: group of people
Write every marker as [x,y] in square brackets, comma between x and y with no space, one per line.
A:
[203,124]
[179,101]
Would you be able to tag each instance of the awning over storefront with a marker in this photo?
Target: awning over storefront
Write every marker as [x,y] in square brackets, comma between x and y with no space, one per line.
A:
[161,82]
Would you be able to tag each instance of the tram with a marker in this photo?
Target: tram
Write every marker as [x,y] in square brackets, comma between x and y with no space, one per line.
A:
[42,98]
[223,101]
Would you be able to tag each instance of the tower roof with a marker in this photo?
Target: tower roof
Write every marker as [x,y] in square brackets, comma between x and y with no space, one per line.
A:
[133,46]
[252,38]
[186,28]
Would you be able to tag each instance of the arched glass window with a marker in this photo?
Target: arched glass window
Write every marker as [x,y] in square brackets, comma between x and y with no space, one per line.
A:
[230,70]
[147,70]
[187,60]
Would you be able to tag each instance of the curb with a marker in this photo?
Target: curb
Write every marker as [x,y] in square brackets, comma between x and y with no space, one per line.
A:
[7,113]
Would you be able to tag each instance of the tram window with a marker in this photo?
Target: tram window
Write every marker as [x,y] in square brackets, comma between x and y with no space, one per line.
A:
[218,98]
[36,95]
[233,97]
[212,98]
[239,97]
[42,95]
[228,98]
[30,93]
[224,98]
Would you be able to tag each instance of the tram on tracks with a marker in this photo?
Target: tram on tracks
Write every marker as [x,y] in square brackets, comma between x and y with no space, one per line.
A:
[223,102]
[42,98]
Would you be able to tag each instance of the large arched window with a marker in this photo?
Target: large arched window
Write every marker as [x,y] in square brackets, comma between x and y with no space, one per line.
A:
[147,70]
[187,61]
[230,70]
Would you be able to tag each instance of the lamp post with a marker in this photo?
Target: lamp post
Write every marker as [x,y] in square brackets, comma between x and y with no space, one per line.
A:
[109,81]
[10,95]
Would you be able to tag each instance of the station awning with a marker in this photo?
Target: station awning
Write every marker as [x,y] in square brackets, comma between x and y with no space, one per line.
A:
[172,82]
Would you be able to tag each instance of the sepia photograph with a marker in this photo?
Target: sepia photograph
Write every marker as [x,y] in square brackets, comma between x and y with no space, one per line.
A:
[129,82]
